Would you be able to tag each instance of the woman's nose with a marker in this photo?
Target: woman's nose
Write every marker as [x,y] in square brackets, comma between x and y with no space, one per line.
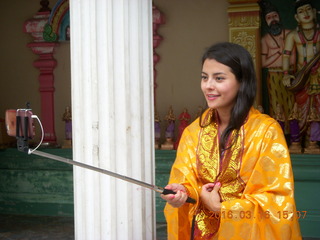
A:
[210,84]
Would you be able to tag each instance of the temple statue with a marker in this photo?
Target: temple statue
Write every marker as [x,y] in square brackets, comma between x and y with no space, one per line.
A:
[157,130]
[272,46]
[68,128]
[305,40]
[170,118]
[184,119]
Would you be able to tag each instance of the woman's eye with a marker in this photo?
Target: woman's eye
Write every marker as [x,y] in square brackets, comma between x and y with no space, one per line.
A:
[203,77]
[219,79]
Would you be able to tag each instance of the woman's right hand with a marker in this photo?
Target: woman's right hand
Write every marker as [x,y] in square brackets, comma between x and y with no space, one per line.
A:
[178,199]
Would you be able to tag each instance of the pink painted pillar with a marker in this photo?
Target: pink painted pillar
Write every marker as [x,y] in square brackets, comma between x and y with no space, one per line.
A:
[46,64]
[158,19]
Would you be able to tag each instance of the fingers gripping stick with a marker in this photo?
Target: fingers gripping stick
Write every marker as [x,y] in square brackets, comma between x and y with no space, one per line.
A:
[168,191]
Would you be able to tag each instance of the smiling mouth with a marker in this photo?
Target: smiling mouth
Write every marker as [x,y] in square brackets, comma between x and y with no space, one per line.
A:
[212,96]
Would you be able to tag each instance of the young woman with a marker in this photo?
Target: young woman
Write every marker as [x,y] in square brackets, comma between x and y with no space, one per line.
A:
[233,161]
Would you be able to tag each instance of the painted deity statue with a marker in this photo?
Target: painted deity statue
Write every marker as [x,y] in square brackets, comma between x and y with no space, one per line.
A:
[68,123]
[305,40]
[184,119]
[170,118]
[272,46]
[157,130]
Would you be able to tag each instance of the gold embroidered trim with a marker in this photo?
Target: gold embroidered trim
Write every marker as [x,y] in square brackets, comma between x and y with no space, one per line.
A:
[214,168]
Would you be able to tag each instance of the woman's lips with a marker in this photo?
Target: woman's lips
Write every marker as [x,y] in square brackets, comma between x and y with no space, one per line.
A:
[212,96]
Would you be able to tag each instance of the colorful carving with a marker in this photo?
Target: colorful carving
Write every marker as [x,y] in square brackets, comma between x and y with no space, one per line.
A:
[46,64]
[58,26]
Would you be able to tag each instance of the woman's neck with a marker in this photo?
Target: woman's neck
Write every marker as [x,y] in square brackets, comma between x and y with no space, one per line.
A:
[224,119]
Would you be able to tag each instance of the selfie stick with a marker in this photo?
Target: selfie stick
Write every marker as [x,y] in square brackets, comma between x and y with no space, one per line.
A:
[109,173]
[23,123]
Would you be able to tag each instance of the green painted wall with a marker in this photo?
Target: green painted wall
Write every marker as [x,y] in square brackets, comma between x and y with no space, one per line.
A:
[32,185]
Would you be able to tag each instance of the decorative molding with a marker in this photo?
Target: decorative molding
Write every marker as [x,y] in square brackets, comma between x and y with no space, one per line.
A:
[246,39]
[35,25]
[244,19]
[244,29]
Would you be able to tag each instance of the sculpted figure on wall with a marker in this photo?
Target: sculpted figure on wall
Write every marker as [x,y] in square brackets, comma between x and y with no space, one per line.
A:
[184,119]
[169,134]
[305,40]
[272,46]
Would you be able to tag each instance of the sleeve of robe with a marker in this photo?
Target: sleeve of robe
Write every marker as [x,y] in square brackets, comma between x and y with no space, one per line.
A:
[183,171]
[267,208]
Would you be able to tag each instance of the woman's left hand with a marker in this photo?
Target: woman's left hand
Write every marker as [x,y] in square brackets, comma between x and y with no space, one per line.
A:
[210,196]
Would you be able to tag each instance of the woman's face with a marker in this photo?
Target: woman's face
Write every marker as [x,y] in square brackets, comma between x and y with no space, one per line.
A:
[219,85]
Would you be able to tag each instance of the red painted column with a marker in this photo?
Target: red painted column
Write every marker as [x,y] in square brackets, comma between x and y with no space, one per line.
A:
[46,64]
[158,19]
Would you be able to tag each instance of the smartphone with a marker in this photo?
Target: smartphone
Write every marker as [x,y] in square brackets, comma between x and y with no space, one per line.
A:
[19,123]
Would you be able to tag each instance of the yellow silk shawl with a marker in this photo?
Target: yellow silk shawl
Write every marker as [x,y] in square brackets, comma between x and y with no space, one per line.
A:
[257,189]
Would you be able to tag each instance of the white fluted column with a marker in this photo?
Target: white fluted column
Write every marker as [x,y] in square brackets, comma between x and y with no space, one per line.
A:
[112,110]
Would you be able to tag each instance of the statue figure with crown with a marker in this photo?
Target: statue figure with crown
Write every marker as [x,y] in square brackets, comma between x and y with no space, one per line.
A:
[305,81]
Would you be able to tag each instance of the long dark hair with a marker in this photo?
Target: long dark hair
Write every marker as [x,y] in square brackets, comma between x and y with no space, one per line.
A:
[239,60]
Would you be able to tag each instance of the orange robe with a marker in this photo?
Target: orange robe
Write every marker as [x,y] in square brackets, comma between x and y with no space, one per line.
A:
[257,190]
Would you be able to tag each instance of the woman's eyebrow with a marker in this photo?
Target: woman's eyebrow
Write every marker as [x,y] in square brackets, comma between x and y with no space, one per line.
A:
[217,73]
